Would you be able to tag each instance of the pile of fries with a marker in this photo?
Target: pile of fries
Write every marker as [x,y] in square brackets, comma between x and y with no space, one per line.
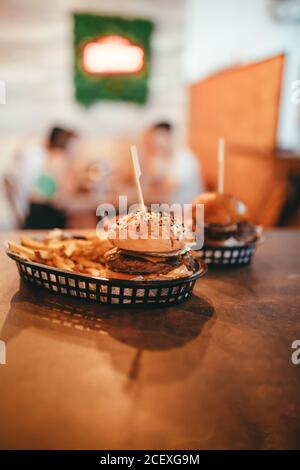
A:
[59,250]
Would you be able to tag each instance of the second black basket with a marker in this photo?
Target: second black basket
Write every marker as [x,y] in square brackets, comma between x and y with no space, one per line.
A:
[227,256]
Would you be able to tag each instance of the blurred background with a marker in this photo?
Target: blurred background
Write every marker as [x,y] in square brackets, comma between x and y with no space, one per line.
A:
[81,80]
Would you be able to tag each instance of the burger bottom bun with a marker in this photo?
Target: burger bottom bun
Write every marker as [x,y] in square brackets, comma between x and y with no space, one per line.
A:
[122,276]
[176,273]
[150,245]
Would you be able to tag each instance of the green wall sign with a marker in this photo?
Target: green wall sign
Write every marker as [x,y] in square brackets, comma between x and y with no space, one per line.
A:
[111,58]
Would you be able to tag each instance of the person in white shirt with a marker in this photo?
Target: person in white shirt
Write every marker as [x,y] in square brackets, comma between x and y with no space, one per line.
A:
[171,174]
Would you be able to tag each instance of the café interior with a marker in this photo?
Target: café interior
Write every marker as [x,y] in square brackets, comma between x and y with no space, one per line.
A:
[81,81]
[149,343]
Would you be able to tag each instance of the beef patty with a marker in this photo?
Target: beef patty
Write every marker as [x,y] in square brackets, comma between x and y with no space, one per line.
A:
[244,231]
[117,260]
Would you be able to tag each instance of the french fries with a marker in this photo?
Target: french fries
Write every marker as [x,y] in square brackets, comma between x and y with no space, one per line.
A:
[23,251]
[82,255]
[30,243]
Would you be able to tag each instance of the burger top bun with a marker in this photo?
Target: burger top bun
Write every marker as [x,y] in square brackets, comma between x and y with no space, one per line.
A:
[147,232]
[221,209]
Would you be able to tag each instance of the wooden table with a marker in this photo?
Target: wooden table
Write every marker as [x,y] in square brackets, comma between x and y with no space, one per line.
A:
[215,372]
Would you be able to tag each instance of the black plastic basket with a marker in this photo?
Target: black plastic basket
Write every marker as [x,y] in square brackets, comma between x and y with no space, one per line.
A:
[108,291]
[227,256]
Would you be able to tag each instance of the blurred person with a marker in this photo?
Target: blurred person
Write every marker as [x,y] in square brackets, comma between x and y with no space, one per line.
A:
[171,174]
[45,180]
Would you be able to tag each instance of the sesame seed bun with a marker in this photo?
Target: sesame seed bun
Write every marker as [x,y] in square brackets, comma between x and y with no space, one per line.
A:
[147,232]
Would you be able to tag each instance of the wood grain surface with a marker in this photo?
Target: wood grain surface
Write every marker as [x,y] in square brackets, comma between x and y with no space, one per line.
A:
[215,372]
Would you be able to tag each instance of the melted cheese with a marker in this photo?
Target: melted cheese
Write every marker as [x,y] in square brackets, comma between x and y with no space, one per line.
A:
[153,259]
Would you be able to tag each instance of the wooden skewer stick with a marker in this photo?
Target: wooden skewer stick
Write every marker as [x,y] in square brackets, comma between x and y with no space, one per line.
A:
[137,175]
[221,147]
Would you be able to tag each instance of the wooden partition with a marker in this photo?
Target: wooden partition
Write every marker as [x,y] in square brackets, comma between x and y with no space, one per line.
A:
[241,104]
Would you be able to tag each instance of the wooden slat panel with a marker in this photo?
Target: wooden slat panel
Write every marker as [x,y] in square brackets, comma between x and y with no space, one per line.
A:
[242,105]
[260,182]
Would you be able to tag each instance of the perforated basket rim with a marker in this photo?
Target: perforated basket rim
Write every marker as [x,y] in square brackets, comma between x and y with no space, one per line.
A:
[228,256]
[224,248]
[113,282]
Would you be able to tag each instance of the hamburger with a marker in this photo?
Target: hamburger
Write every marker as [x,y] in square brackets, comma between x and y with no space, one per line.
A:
[226,220]
[148,245]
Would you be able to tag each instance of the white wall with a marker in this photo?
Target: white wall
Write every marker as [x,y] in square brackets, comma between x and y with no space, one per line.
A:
[223,33]
[36,63]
